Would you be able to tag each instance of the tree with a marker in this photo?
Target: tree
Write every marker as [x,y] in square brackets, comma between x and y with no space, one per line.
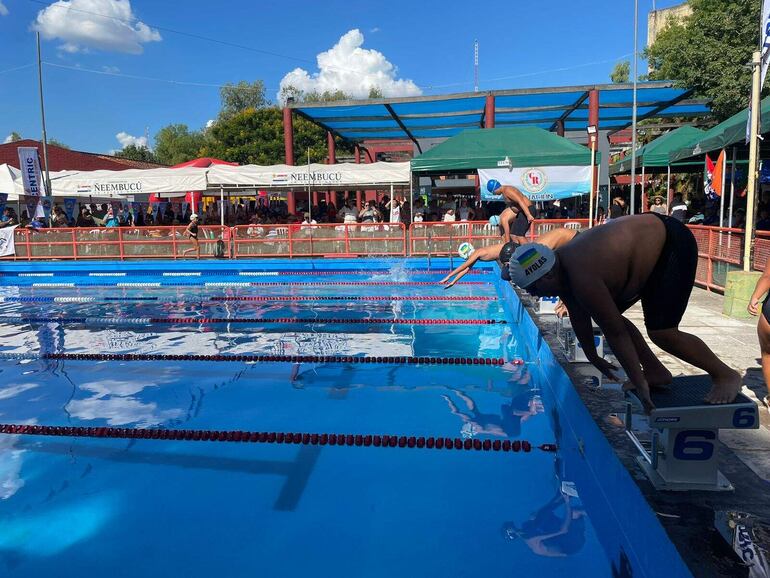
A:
[239,97]
[57,143]
[375,92]
[13,137]
[708,52]
[176,144]
[621,73]
[255,136]
[136,153]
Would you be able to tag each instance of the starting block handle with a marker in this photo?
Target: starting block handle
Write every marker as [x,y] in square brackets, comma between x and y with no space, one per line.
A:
[650,457]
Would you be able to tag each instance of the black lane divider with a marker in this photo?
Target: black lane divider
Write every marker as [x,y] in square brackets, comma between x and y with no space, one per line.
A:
[263,358]
[276,320]
[360,440]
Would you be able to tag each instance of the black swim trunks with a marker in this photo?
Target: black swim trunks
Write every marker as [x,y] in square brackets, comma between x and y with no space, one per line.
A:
[766,308]
[520,225]
[667,291]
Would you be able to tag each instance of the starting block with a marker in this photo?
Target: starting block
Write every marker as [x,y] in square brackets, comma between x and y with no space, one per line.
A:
[566,336]
[547,305]
[685,431]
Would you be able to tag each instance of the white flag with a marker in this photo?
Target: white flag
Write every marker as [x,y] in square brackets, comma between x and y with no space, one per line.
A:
[7,246]
[32,178]
[764,34]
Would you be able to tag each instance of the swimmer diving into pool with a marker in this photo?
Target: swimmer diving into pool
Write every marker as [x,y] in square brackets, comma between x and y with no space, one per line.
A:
[650,258]
[517,211]
[502,252]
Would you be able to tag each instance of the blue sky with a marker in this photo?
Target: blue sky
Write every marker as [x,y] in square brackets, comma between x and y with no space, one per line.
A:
[522,44]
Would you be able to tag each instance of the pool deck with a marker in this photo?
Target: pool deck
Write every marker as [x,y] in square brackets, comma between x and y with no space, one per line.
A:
[691,518]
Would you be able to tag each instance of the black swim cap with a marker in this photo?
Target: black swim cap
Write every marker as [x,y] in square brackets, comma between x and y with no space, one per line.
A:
[507,251]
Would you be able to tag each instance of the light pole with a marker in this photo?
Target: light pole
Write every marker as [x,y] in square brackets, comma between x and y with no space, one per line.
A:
[42,118]
[633,112]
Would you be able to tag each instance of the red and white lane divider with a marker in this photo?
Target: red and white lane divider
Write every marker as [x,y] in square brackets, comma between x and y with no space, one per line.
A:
[11,319]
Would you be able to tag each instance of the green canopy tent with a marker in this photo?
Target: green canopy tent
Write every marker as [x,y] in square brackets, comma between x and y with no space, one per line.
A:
[485,148]
[655,155]
[653,158]
[728,133]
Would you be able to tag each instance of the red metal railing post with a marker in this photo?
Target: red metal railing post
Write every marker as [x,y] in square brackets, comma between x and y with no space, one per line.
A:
[74,244]
[291,242]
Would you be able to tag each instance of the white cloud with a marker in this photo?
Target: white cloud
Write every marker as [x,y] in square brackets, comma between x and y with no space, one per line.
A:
[126,139]
[352,69]
[3,9]
[108,25]
[8,139]
[375,30]
[111,69]
[210,122]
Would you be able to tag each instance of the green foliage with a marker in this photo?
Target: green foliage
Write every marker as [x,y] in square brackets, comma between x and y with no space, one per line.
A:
[709,50]
[255,136]
[621,73]
[14,137]
[176,144]
[57,143]
[137,153]
[242,96]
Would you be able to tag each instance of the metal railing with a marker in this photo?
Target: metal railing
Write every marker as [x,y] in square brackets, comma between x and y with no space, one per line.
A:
[720,249]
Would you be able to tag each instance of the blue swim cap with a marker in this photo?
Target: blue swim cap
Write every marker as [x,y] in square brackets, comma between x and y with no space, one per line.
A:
[493,185]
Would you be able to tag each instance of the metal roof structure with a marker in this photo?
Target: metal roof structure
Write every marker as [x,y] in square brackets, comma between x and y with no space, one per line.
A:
[425,117]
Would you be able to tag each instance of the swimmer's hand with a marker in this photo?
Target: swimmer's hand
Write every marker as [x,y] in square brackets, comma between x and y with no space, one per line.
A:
[607,369]
[753,307]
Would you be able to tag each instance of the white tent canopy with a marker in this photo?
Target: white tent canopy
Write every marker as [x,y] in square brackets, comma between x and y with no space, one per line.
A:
[340,176]
[170,182]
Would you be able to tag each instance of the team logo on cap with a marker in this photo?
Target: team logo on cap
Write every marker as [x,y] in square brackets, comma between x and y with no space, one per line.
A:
[531,260]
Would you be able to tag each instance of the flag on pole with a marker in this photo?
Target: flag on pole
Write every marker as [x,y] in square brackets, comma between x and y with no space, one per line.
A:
[32,179]
[716,174]
[764,34]
[708,181]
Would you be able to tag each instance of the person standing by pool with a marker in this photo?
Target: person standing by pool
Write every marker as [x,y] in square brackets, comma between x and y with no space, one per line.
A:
[679,208]
[650,257]
[502,252]
[658,206]
[191,232]
[517,211]
[763,326]
[617,208]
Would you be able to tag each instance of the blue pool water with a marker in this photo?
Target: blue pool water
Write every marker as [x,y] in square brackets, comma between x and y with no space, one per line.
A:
[97,507]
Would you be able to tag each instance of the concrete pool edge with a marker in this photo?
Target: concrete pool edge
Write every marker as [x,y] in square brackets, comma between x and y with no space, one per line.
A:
[690,519]
[642,544]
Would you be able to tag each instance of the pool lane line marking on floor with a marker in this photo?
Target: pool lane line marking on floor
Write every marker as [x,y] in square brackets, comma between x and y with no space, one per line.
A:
[17,319]
[255,298]
[107,274]
[296,438]
[35,274]
[348,359]
[182,274]
[53,285]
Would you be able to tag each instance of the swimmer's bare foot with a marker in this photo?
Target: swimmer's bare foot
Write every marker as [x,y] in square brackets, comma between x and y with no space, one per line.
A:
[725,388]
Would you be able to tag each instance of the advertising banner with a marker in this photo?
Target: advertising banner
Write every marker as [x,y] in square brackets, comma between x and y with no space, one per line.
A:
[7,246]
[539,183]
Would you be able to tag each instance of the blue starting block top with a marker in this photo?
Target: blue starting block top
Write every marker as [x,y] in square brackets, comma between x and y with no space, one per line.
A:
[683,405]
[689,391]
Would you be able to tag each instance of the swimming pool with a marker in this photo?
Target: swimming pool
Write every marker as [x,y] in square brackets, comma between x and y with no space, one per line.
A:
[145,507]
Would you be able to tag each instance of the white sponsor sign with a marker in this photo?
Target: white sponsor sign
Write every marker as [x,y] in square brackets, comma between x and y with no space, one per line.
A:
[7,245]
[539,183]
[32,179]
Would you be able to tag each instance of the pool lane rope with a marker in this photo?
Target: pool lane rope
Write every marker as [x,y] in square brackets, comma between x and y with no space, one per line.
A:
[212,320]
[257,298]
[236,273]
[198,283]
[401,360]
[308,439]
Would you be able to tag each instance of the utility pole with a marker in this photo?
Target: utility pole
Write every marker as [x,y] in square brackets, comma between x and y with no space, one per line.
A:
[633,112]
[748,241]
[475,66]
[42,117]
